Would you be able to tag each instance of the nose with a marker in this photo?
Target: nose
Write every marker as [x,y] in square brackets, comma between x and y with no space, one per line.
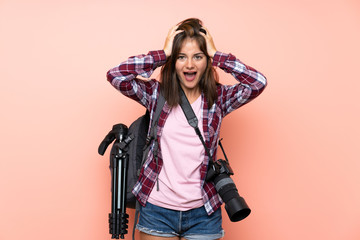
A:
[189,64]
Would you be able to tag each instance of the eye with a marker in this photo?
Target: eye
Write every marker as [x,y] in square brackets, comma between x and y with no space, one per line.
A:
[198,57]
[181,57]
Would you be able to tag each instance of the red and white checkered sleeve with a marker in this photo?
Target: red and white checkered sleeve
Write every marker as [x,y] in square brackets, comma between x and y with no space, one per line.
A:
[124,76]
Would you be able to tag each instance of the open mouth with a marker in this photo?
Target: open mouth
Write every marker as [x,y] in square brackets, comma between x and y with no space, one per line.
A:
[189,76]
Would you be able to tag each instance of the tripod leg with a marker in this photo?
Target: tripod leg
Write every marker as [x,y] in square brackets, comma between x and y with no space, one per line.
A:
[114,215]
[122,196]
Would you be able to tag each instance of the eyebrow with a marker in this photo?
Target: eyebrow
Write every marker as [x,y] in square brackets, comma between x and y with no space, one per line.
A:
[199,53]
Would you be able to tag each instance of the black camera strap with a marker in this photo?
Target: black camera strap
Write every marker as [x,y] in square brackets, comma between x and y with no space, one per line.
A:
[192,119]
[235,205]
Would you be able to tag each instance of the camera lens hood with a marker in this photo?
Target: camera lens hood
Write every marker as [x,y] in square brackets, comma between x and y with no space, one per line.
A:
[237,209]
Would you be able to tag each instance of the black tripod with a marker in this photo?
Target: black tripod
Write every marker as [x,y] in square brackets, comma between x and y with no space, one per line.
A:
[119,160]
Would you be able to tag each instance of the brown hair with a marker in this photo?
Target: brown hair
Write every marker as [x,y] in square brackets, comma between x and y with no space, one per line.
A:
[169,80]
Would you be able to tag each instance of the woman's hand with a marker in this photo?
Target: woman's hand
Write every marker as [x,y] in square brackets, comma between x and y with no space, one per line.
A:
[169,40]
[211,49]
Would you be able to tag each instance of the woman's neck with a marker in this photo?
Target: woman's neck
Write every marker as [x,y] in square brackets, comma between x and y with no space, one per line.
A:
[192,95]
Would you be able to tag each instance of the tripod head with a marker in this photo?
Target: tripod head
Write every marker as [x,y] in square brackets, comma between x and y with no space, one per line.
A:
[118,132]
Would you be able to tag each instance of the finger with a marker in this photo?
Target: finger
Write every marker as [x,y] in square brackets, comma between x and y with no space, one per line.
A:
[172,35]
[206,36]
[178,31]
[173,29]
[173,32]
[203,34]
[207,31]
[205,28]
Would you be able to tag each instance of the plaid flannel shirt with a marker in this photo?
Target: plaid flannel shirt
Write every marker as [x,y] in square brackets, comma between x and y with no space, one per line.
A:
[124,78]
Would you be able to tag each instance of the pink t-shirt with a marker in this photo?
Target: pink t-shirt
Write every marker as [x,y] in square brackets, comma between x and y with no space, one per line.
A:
[183,153]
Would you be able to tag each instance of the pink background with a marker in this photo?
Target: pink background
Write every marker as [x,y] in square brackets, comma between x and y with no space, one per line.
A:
[295,149]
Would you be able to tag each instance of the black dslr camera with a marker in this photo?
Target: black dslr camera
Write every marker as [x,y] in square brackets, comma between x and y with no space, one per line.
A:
[219,172]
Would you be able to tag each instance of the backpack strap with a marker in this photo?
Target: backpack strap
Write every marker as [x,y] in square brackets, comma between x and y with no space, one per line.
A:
[152,135]
[153,131]
[159,107]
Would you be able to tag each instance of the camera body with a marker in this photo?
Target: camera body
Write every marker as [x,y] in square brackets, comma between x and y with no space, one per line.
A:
[219,172]
[219,167]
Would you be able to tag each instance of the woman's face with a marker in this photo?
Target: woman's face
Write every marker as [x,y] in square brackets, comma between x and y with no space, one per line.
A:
[190,65]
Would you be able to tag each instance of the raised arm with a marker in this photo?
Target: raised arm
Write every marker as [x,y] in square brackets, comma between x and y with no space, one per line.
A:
[123,76]
[251,82]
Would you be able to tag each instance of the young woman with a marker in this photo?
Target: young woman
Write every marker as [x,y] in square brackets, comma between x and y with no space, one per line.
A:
[177,202]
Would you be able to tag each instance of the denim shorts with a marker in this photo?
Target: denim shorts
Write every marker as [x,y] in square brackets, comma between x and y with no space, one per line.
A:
[194,224]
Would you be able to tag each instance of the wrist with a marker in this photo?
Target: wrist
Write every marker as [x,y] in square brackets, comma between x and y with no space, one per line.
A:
[167,53]
[212,53]
[219,59]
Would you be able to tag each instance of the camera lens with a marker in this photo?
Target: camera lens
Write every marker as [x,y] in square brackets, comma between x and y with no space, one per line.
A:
[235,206]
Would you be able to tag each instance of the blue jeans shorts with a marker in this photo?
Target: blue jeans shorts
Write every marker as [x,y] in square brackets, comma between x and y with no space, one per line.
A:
[194,224]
